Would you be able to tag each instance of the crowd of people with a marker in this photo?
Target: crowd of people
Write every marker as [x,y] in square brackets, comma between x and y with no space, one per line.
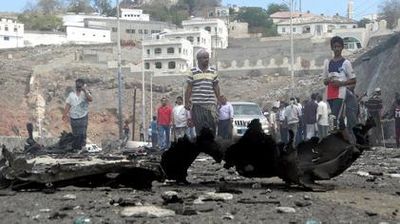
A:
[203,106]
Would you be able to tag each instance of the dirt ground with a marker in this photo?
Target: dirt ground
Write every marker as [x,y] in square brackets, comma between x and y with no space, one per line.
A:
[368,192]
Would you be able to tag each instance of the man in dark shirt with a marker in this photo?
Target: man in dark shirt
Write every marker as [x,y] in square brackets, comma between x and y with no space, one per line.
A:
[310,116]
[375,105]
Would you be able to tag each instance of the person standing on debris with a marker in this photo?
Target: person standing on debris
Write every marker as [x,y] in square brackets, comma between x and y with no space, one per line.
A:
[203,90]
[154,132]
[283,131]
[141,132]
[126,131]
[292,117]
[179,118]
[310,116]
[225,118]
[322,117]
[76,110]
[164,121]
[338,77]
[375,107]
[273,120]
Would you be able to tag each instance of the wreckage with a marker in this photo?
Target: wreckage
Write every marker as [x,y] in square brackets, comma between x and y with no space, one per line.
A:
[253,155]
[258,155]
[48,168]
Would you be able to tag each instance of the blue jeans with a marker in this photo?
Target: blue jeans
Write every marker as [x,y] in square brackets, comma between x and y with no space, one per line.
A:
[164,136]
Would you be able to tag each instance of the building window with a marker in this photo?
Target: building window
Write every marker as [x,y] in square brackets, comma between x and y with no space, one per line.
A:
[157,51]
[6,28]
[148,51]
[294,29]
[6,38]
[15,29]
[171,65]
[114,29]
[140,31]
[208,28]
[146,31]
[190,39]
[170,50]
[83,34]
[147,66]
[158,65]
[94,35]
[198,39]
[180,50]
[283,30]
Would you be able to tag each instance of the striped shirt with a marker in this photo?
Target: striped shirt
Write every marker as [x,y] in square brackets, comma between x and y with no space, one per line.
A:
[202,85]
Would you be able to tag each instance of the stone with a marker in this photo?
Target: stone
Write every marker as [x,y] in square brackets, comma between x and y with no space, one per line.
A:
[69,197]
[307,197]
[146,211]
[212,196]
[256,186]
[285,210]
[171,197]
[302,203]
[363,174]
[228,216]
[395,175]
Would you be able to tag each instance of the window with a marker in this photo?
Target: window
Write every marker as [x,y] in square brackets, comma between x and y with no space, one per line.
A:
[6,38]
[6,28]
[157,51]
[94,35]
[114,29]
[208,28]
[158,65]
[171,65]
[283,30]
[83,34]
[15,29]
[294,29]
[147,66]
[190,39]
[140,31]
[180,50]
[170,50]
[148,51]
[146,31]
[198,39]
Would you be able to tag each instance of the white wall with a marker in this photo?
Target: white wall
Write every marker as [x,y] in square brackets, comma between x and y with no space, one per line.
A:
[88,35]
[34,39]
[11,34]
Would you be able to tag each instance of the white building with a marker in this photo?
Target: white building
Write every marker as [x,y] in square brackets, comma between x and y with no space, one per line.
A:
[11,34]
[216,27]
[167,56]
[77,19]
[83,35]
[134,14]
[315,25]
[199,39]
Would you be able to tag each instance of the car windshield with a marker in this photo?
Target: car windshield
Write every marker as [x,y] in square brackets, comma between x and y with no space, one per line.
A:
[246,109]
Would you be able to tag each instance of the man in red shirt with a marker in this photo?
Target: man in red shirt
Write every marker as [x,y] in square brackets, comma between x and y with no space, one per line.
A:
[164,119]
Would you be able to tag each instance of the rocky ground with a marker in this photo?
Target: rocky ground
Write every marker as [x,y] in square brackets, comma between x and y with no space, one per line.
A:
[368,192]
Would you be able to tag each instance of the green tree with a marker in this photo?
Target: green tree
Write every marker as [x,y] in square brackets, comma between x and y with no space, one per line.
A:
[258,20]
[363,22]
[79,6]
[273,8]
[39,21]
[390,11]
[103,7]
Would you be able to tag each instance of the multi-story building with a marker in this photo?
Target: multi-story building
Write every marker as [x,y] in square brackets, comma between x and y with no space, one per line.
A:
[134,14]
[199,39]
[167,56]
[11,34]
[215,27]
[131,30]
[315,25]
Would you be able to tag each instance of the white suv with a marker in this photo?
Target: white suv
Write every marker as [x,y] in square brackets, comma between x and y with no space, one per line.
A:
[243,113]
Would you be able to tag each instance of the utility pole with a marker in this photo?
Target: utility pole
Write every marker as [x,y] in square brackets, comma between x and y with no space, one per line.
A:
[291,47]
[134,114]
[143,92]
[119,75]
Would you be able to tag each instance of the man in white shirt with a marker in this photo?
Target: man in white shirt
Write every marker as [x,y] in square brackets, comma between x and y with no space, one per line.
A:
[179,118]
[225,118]
[76,110]
[322,117]
[292,117]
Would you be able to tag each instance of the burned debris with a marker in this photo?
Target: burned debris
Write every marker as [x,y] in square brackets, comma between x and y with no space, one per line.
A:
[258,155]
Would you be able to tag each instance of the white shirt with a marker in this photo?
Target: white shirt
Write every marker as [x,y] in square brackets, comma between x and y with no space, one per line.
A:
[180,116]
[225,112]
[323,111]
[79,105]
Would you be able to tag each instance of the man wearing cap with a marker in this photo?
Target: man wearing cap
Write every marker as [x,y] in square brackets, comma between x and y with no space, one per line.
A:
[203,90]
[374,105]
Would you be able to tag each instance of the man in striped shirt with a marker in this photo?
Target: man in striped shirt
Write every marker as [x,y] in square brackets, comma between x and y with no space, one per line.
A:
[203,90]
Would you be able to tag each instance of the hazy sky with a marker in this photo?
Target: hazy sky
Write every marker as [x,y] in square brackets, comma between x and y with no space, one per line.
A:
[328,7]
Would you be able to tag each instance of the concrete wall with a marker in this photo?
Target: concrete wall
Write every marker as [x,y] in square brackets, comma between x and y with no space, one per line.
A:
[84,35]
[34,39]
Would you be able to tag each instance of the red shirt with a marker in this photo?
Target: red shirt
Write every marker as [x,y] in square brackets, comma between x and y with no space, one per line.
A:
[164,115]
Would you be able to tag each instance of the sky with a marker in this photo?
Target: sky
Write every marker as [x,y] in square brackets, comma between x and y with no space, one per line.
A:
[327,7]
